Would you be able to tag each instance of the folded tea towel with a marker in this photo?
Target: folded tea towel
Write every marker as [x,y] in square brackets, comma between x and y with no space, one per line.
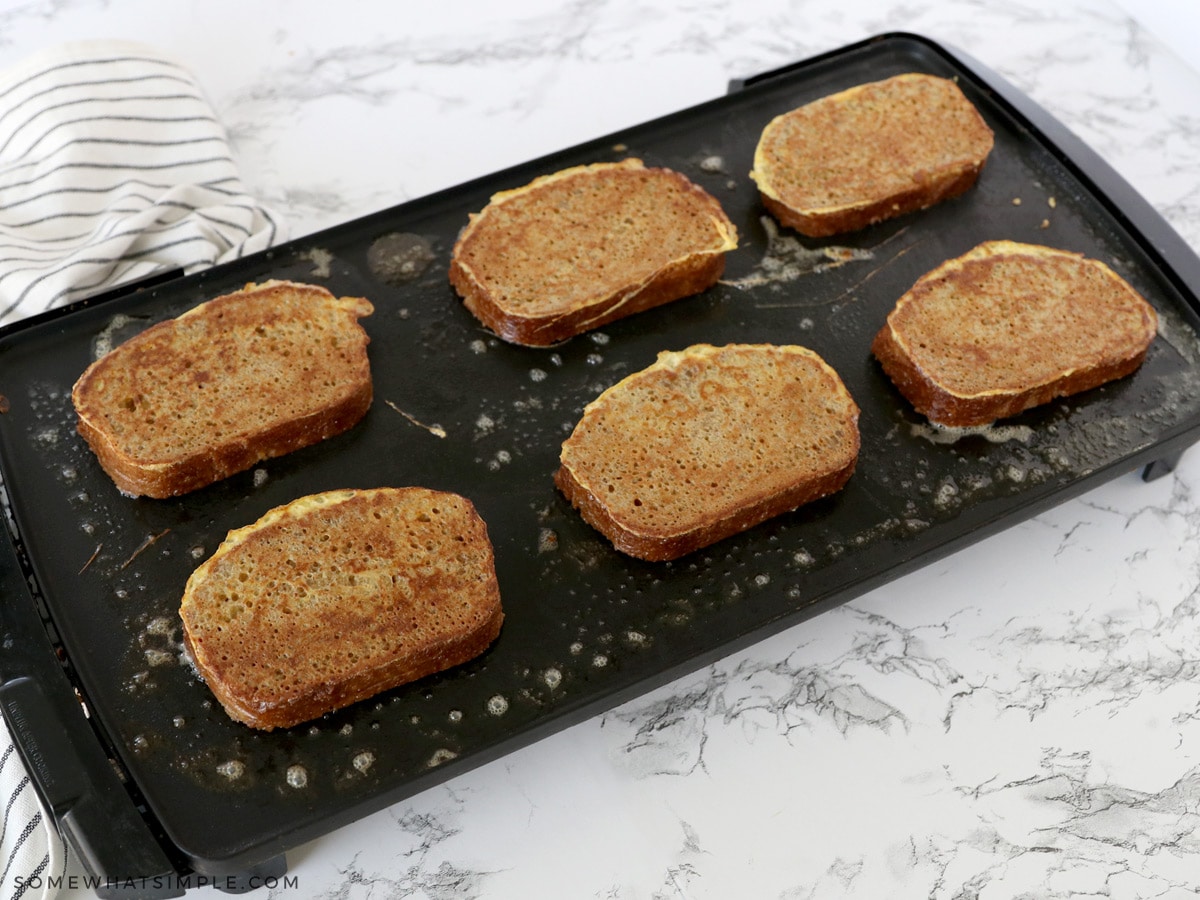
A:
[113,166]
[31,851]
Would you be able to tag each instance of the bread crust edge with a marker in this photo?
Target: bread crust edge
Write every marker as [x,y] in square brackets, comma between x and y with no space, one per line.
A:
[160,481]
[329,696]
[817,223]
[313,705]
[663,548]
[678,279]
[950,410]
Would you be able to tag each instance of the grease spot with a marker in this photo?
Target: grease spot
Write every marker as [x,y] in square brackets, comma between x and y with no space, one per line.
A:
[399,257]
[497,705]
[363,761]
[321,259]
[786,259]
[995,434]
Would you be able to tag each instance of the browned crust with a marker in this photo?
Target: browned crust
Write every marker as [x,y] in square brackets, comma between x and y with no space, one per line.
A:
[762,491]
[941,186]
[661,548]
[330,697]
[676,279]
[679,279]
[163,478]
[930,393]
[200,469]
[244,698]
[943,407]
[932,147]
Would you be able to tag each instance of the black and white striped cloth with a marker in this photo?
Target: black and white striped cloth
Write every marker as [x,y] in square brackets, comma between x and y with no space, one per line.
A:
[31,852]
[113,166]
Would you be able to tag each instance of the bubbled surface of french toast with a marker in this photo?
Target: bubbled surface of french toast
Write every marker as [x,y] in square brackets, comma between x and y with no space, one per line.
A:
[707,442]
[235,380]
[338,596]
[582,247]
[1008,326]
[870,153]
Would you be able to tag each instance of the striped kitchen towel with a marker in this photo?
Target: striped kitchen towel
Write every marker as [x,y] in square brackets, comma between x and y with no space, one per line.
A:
[30,849]
[113,166]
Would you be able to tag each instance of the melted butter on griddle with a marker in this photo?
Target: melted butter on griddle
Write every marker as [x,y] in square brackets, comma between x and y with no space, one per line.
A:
[118,330]
[399,257]
[993,433]
[787,259]
[321,259]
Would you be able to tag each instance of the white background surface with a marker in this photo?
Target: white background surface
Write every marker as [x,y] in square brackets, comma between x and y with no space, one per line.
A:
[1174,22]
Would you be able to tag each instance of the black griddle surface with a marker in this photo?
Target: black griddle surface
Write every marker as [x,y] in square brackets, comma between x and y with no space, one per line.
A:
[585,627]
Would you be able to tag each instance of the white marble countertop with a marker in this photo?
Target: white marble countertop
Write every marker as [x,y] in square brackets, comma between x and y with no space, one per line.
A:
[1020,719]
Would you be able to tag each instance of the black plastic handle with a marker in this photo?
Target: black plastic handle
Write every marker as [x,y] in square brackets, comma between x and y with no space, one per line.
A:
[75,780]
[740,84]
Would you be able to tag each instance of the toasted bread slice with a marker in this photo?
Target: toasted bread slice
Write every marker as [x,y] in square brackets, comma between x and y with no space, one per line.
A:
[870,153]
[707,442]
[1008,326]
[242,378]
[575,250]
[338,596]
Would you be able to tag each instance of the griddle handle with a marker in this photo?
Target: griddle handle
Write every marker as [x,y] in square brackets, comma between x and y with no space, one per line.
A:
[73,776]
[739,84]
[119,855]
[1164,465]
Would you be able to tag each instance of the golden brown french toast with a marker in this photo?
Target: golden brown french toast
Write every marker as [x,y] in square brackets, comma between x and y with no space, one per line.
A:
[241,378]
[707,442]
[577,249]
[1008,326]
[870,153]
[338,596]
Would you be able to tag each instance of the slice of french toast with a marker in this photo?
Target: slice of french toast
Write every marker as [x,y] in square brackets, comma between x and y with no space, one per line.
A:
[582,247]
[707,442]
[338,596]
[233,381]
[869,153]
[1008,326]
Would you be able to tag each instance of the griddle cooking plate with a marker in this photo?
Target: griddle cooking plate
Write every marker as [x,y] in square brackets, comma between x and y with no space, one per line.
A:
[586,627]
